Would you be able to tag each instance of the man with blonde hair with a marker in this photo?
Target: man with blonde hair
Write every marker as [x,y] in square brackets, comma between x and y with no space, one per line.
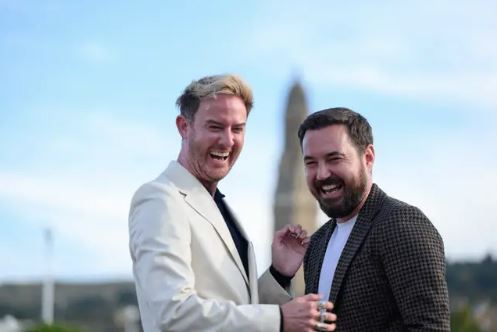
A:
[193,264]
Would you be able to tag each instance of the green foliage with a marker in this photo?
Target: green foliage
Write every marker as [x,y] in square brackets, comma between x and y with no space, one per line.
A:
[475,281]
[462,321]
[52,328]
[126,297]
[89,308]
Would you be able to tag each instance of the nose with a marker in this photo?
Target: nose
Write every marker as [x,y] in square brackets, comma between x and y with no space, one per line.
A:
[227,138]
[322,172]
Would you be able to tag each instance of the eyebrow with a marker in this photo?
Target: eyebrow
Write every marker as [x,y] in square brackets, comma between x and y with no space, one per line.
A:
[328,155]
[214,122]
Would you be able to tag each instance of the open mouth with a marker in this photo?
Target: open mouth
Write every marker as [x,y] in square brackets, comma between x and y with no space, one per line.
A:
[219,155]
[330,188]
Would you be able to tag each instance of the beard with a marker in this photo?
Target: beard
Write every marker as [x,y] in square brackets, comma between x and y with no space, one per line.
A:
[353,194]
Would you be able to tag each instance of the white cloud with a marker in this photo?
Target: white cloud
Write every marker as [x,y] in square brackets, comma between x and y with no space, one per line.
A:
[425,50]
[81,176]
[81,185]
[90,215]
[63,194]
[472,87]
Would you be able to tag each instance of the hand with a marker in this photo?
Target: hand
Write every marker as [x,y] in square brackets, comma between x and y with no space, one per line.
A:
[288,249]
[302,314]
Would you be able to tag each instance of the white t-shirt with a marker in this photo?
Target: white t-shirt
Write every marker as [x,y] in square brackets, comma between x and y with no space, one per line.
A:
[334,249]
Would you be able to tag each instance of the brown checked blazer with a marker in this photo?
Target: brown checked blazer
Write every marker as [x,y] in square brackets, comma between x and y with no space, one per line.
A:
[391,274]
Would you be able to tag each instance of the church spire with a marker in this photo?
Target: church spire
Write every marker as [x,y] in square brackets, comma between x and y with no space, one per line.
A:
[293,204]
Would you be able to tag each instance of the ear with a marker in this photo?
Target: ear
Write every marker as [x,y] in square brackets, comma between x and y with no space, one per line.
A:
[369,156]
[182,125]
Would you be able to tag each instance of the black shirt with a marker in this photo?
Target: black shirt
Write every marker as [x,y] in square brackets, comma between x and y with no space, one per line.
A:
[240,242]
[242,245]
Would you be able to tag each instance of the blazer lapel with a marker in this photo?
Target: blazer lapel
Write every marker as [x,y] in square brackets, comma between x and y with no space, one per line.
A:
[252,266]
[321,245]
[231,244]
[207,208]
[200,200]
[361,228]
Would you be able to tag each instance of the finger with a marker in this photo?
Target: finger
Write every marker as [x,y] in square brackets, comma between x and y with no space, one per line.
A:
[318,326]
[296,230]
[288,231]
[280,233]
[329,306]
[303,234]
[311,298]
[284,231]
[331,327]
[296,227]
[327,317]
[330,317]
[328,327]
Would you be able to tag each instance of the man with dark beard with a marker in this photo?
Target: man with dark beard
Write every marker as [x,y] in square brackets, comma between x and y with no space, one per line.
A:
[379,260]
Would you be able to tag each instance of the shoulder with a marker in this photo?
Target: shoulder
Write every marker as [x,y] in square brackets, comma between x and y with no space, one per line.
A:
[157,213]
[159,188]
[396,214]
[158,198]
[401,224]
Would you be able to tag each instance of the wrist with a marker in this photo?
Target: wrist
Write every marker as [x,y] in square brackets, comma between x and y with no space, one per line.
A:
[282,279]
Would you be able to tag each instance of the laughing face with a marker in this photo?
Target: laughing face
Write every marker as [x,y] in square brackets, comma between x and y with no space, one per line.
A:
[337,175]
[214,139]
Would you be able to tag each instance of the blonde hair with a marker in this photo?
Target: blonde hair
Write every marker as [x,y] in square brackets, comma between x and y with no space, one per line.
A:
[209,87]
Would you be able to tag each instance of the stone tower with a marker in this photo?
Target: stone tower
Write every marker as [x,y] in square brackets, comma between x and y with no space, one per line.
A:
[293,204]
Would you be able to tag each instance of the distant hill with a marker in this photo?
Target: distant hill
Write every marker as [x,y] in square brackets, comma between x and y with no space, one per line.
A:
[473,281]
[91,306]
[94,306]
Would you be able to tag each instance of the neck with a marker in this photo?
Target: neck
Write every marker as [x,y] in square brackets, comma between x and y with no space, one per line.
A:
[210,186]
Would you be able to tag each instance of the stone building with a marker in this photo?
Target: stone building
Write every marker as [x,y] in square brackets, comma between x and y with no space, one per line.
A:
[293,204]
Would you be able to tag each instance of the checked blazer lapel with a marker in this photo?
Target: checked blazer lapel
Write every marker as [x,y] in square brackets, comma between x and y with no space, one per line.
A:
[316,262]
[364,221]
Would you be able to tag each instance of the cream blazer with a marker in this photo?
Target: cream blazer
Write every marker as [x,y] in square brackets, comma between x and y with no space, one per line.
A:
[187,271]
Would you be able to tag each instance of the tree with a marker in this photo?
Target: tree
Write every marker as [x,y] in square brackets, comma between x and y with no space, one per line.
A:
[462,321]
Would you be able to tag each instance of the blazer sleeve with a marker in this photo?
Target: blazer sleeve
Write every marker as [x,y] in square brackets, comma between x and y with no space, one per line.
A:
[414,263]
[161,253]
[270,291]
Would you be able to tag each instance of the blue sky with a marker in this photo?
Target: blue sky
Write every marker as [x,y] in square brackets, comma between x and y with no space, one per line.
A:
[87,92]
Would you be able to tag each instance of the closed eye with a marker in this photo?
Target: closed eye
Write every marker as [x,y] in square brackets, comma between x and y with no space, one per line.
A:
[335,156]
[309,162]
[238,130]
[215,128]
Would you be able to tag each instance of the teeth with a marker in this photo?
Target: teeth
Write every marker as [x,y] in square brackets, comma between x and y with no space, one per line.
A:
[220,154]
[329,187]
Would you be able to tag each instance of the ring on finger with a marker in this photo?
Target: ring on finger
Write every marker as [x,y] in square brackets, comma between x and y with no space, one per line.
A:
[319,326]
[322,317]
[322,305]
[322,311]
